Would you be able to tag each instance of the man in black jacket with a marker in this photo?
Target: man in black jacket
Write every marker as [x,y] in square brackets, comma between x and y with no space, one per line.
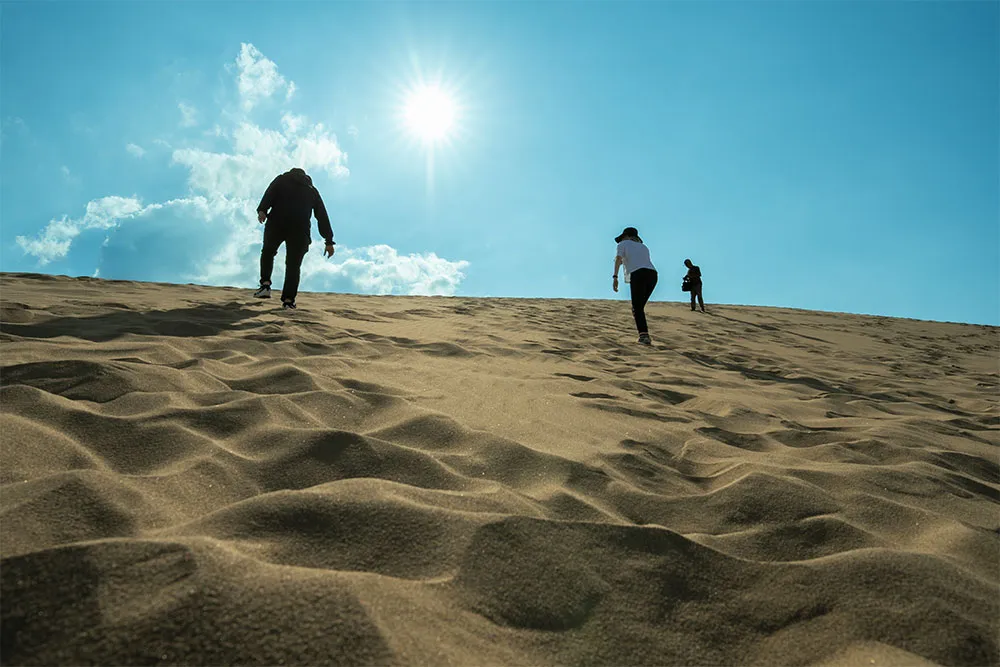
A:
[693,279]
[288,205]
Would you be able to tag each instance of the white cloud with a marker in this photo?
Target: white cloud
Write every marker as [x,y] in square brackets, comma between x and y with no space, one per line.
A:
[258,155]
[258,77]
[353,130]
[135,150]
[381,269]
[210,235]
[371,270]
[292,123]
[65,171]
[190,236]
[55,240]
[189,115]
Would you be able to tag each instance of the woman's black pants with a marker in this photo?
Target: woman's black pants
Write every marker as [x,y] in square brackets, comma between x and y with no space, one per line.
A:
[643,282]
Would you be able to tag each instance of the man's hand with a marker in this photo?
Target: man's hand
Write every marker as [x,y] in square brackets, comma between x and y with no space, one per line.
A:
[614,284]
[261,216]
[328,251]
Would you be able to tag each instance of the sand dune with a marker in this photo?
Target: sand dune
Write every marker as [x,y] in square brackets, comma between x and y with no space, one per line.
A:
[192,477]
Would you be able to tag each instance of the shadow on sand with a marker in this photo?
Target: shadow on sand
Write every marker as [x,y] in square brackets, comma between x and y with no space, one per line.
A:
[203,320]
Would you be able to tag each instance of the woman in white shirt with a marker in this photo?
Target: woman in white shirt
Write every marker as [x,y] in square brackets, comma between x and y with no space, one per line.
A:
[639,273]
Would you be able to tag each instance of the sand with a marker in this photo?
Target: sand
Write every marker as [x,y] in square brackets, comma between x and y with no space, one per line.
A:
[191,476]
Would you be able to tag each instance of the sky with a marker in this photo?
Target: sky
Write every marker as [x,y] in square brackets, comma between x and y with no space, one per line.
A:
[838,156]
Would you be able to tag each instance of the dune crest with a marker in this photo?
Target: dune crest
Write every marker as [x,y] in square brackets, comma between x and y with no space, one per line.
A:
[189,476]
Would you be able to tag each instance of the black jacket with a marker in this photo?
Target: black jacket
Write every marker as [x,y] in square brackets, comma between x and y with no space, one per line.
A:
[292,200]
[694,276]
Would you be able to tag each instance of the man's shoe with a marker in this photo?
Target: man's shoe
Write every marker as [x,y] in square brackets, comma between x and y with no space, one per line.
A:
[288,305]
[264,292]
[644,339]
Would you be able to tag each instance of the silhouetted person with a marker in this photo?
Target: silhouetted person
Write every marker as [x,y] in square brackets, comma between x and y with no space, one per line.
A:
[288,205]
[639,273]
[693,279]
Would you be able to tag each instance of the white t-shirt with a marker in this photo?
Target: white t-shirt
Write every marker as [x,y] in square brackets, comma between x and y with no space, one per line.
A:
[635,256]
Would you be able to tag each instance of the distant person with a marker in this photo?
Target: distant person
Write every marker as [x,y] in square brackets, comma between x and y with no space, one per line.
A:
[639,273]
[288,205]
[693,280]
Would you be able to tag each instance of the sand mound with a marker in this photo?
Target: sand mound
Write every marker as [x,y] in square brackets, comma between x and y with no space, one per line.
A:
[192,477]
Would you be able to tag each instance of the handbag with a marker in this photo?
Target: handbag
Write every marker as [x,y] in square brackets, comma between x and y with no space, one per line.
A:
[686,284]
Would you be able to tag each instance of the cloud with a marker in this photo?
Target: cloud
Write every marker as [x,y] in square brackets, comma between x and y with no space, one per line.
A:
[65,171]
[258,154]
[181,240]
[258,77]
[376,269]
[189,115]
[353,130]
[210,234]
[381,269]
[292,123]
[55,240]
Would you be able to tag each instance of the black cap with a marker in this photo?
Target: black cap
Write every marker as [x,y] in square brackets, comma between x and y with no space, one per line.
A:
[628,231]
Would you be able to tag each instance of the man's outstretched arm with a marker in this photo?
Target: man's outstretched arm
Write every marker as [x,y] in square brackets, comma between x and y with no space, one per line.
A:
[323,219]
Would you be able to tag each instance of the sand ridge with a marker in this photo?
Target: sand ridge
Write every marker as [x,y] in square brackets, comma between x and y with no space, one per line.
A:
[190,476]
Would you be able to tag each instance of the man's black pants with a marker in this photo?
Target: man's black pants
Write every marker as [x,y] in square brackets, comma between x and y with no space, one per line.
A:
[643,282]
[296,247]
[696,293]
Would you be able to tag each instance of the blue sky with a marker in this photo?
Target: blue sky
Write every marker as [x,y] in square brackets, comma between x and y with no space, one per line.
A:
[822,155]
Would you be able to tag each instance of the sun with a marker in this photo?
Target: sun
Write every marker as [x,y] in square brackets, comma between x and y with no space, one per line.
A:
[430,113]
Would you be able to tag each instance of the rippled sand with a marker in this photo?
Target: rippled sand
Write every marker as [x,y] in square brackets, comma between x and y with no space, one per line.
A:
[190,476]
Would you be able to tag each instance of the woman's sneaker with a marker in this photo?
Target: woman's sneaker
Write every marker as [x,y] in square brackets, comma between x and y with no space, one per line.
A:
[644,339]
[264,292]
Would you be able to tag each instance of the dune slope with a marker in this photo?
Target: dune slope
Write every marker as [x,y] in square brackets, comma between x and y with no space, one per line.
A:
[190,476]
